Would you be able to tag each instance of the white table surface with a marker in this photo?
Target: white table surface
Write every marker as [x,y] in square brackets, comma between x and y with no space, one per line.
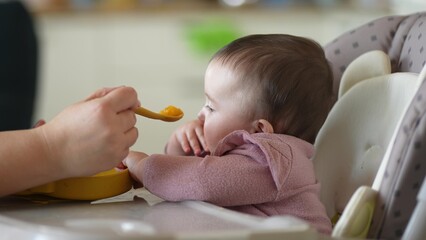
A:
[144,217]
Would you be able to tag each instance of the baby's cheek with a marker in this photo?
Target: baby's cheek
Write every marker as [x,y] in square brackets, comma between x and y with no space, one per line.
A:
[211,144]
[214,132]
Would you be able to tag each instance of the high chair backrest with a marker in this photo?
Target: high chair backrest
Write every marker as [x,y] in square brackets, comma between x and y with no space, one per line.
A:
[402,176]
[353,140]
[402,37]
[395,167]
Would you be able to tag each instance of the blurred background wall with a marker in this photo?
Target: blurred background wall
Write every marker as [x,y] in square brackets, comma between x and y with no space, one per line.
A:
[162,47]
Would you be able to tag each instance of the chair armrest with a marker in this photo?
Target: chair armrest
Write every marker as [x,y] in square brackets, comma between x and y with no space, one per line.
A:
[356,218]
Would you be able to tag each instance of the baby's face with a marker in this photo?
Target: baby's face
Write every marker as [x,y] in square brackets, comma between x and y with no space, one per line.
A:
[224,111]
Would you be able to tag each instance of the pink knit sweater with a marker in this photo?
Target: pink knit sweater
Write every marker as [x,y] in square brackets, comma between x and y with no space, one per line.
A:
[260,174]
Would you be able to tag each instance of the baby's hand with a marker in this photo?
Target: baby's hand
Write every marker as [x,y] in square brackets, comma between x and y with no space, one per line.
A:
[134,162]
[188,139]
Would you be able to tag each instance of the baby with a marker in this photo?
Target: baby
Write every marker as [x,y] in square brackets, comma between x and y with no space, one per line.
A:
[250,148]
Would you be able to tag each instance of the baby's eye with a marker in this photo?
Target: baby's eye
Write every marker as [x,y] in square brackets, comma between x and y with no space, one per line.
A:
[210,109]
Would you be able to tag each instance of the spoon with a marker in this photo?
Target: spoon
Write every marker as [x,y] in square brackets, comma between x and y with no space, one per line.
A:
[169,114]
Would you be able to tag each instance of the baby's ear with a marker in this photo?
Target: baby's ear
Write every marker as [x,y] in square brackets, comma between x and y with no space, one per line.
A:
[262,125]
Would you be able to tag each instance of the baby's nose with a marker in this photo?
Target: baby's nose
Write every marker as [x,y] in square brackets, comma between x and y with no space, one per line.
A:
[201,115]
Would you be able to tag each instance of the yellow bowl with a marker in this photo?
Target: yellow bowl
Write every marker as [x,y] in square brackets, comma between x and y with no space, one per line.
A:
[102,185]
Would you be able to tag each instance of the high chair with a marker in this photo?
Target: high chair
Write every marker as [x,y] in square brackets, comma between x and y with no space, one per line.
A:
[355,137]
[402,171]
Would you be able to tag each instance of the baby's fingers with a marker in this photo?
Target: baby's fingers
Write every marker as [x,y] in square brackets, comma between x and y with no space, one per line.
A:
[200,136]
[194,142]
[184,143]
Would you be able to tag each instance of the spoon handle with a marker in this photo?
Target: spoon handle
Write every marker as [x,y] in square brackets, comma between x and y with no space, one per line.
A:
[147,113]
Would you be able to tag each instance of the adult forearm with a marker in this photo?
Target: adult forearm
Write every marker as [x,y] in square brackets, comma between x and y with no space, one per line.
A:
[24,162]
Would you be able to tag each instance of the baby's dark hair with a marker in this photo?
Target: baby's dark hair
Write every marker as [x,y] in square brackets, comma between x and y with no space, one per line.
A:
[292,76]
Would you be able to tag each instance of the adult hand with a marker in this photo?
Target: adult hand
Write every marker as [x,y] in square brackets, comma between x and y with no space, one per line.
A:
[93,135]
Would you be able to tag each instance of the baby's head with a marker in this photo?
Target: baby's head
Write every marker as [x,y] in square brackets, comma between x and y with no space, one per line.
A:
[283,80]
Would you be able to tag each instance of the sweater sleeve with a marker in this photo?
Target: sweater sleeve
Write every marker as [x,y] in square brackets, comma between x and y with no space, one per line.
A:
[241,174]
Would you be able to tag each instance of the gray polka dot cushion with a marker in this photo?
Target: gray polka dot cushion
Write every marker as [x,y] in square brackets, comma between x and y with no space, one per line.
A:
[402,37]
[404,174]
